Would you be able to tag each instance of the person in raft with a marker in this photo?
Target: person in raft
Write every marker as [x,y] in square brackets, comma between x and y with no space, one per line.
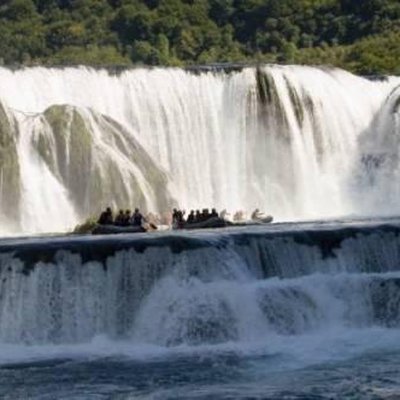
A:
[214,213]
[257,215]
[127,218]
[106,217]
[120,218]
[191,217]
[137,218]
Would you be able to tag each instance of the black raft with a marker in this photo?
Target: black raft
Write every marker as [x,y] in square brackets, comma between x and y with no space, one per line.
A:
[105,229]
[215,222]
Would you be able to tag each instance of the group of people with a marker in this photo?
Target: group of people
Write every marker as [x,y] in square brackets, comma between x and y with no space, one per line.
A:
[177,218]
[123,218]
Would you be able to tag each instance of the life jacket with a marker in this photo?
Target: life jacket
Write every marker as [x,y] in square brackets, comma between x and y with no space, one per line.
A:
[103,218]
[137,219]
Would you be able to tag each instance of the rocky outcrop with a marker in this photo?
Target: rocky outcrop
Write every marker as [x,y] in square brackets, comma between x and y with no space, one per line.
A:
[10,189]
[99,161]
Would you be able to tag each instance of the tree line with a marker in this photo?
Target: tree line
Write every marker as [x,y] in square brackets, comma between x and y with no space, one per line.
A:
[361,36]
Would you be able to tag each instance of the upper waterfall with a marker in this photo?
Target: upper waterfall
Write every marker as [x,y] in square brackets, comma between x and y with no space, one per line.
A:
[287,139]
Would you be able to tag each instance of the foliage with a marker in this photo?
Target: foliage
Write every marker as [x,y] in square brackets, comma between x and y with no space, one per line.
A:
[375,54]
[85,227]
[91,54]
[359,35]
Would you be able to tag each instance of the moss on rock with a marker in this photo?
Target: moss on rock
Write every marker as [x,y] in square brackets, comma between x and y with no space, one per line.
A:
[157,180]
[10,189]
[86,226]
[43,145]
[59,119]
[80,157]
[96,178]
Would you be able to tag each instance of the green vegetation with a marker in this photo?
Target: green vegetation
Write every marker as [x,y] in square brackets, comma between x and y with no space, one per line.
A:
[362,36]
[10,195]
[86,226]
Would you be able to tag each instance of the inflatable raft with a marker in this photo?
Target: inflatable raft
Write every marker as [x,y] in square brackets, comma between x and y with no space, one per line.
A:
[259,221]
[211,223]
[217,222]
[214,222]
[105,229]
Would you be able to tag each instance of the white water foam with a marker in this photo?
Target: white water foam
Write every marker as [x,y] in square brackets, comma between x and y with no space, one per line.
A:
[157,305]
[287,352]
[204,299]
[46,206]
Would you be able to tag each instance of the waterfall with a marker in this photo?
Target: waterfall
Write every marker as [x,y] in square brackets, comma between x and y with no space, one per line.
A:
[182,289]
[378,167]
[290,140]
[43,196]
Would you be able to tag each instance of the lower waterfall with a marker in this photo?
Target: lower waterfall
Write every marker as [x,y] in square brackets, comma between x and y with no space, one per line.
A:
[212,288]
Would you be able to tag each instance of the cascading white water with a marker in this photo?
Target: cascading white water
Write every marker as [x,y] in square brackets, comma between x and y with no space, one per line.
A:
[194,312]
[378,167]
[43,196]
[294,153]
[216,293]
